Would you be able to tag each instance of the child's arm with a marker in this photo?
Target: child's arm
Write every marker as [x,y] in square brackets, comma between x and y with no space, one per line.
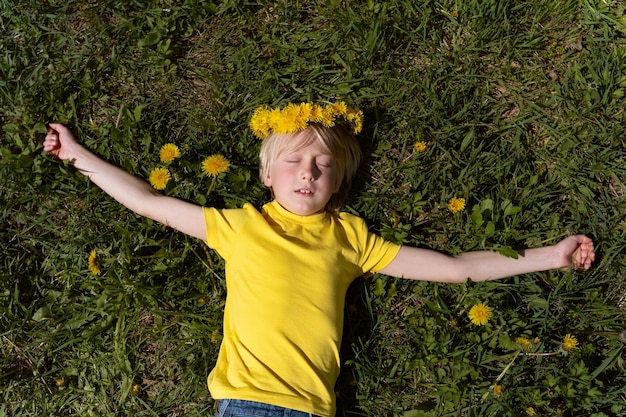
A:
[423,264]
[135,194]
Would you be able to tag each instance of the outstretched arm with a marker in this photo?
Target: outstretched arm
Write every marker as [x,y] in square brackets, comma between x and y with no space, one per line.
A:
[423,264]
[132,192]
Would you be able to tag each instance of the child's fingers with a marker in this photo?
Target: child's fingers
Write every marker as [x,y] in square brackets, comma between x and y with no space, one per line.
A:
[58,127]
[51,141]
[585,254]
[52,136]
[590,256]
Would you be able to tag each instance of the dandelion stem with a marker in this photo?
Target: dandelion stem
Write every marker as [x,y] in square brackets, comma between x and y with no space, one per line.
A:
[541,354]
[504,371]
[211,185]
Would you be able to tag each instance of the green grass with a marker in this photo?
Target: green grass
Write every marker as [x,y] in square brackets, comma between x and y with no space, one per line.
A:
[521,106]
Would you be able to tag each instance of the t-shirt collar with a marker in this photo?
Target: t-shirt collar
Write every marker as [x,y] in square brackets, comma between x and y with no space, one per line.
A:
[275,209]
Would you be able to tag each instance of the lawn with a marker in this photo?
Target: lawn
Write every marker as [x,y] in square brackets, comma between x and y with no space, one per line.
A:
[515,108]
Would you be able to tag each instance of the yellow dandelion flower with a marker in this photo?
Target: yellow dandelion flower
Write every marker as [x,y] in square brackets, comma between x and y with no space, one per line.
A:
[456,204]
[169,152]
[60,382]
[296,118]
[215,165]
[327,117]
[305,110]
[277,122]
[455,13]
[135,389]
[317,113]
[259,123]
[524,343]
[531,411]
[289,120]
[497,389]
[479,314]
[159,178]
[91,263]
[419,147]
[340,108]
[570,342]
[355,118]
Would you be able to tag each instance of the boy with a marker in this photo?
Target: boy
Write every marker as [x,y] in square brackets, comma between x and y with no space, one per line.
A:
[288,266]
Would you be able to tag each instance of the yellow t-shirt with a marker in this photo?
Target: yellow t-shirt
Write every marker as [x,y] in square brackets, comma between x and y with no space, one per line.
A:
[286,280]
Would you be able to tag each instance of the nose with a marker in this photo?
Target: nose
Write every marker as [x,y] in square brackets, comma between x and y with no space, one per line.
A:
[309,171]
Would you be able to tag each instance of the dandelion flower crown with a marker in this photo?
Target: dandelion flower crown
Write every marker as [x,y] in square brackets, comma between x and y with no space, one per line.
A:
[296,118]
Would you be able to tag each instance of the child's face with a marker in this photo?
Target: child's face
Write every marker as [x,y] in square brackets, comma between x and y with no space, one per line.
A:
[303,178]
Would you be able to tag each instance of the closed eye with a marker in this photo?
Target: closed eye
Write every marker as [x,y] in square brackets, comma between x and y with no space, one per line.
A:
[325,163]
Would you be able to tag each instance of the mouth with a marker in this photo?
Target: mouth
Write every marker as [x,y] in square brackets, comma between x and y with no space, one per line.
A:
[304,191]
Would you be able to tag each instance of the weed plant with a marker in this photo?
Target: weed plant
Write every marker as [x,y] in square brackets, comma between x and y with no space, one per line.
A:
[515,107]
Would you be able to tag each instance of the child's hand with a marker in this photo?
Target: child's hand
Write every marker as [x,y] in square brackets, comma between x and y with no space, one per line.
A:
[60,142]
[575,252]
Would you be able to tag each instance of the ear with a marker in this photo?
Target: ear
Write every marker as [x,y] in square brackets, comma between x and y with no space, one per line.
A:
[267,181]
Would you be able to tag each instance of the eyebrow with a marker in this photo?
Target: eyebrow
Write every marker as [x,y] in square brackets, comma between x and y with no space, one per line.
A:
[294,151]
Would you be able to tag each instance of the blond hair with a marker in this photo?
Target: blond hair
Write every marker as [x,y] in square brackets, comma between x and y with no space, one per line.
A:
[338,140]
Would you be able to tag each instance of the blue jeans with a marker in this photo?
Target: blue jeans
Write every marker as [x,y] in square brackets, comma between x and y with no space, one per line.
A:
[243,408]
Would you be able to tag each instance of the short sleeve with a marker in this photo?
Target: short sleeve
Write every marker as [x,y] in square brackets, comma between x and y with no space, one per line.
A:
[375,253]
[380,253]
[222,227]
